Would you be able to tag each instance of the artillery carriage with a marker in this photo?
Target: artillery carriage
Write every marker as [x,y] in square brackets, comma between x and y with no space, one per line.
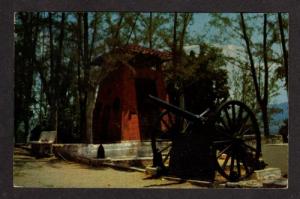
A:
[224,139]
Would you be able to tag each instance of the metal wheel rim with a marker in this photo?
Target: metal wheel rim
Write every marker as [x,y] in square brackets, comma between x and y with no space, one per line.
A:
[166,127]
[235,143]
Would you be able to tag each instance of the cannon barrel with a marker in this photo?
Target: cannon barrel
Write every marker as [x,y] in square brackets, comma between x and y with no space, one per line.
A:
[176,110]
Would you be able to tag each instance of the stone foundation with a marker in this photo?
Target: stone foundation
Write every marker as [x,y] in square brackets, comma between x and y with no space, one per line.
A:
[127,154]
[128,149]
[276,155]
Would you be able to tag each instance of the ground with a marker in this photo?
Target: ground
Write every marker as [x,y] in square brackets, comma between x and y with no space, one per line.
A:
[55,173]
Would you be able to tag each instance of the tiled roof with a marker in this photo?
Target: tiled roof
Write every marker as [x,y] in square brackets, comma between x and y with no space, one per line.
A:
[165,55]
[135,49]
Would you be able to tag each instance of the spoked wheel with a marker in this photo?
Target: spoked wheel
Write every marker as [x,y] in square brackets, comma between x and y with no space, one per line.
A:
[237,141]
[166,127]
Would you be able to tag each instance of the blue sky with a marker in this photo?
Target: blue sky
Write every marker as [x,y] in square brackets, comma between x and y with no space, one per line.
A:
[199,23]
[200,26]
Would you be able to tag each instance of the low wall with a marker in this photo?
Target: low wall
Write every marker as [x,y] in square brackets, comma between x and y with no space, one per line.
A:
[130,149]
[272,139]
[276,155]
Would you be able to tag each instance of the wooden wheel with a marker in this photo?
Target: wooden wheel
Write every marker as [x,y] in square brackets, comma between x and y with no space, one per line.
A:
[166,127]
[237,141]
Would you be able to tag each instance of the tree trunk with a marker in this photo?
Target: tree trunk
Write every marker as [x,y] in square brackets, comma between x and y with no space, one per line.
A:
[132,29]
[89,106]
[174,48]
[27,67]
[150,30]
[95,27]
[58,67]
[53,78]
[26,19]
[116,37]
[81,94]
[265,118]
[33,35]
[59,57]
[285,52]
[186,21]
[252,66]
[262,102]
[86,42]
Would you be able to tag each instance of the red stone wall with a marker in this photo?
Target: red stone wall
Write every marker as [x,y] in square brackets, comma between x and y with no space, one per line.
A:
[130,122]
[109,91]
[124,124]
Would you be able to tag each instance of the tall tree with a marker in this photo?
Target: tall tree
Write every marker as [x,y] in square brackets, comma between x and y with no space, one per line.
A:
[186,19]
[91,77]
[132,28]
[83,67]
[86,64]
[174,47]
[116,29]
[150,30]
[58,68]
[284,50]
[261,99]
[80,86]
[265,100]
[53,73]
[259,60]
[27,29]
[176,85]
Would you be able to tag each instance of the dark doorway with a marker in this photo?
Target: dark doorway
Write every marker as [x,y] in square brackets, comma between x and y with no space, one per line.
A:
[96,122]
[104,134]
[147,111]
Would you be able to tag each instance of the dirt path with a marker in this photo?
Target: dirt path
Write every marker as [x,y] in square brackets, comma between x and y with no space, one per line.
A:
[55,173]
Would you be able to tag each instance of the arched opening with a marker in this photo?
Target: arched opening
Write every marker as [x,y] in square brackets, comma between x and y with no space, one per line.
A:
[117,105]
[96,121]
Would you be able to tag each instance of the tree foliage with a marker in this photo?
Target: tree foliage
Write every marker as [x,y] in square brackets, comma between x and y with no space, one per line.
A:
[258,59]
[56,85]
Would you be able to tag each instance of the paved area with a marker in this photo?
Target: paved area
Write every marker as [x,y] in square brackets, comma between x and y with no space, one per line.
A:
[54,173]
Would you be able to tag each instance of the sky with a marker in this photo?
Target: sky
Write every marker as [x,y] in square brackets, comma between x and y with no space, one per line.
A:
[200,20]
[200,26]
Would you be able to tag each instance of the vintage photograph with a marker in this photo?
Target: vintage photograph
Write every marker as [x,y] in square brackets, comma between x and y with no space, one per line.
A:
[150,100]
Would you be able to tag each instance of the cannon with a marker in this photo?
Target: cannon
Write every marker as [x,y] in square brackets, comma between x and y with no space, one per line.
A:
[225,139]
